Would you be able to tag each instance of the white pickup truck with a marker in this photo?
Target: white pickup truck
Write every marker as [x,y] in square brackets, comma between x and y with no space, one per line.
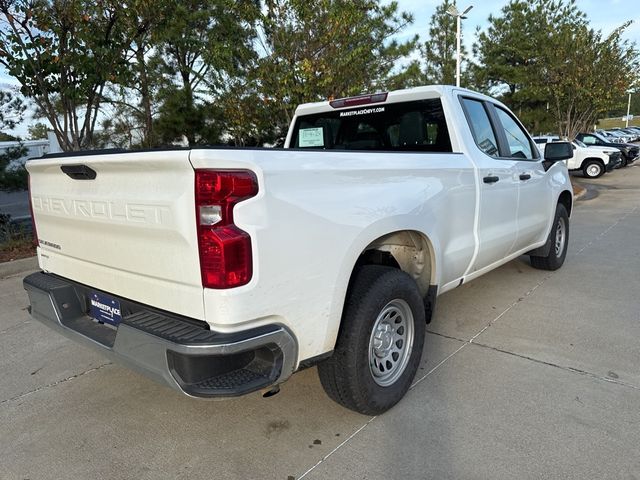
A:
[593,161]
[222,271]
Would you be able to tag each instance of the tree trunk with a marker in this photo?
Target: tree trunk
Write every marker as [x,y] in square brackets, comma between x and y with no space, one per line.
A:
[145,93]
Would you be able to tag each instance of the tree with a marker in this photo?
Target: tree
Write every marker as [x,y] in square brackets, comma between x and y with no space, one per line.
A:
[37,131]
[545,62]
[586,75]
[439,51]
[5,137]
[205,43]
[12,109]
[312,51]
[13,176]
[64,53]
[511,55]
[134,100]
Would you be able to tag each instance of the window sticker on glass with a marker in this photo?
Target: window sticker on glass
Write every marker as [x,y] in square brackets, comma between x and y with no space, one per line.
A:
[311,137]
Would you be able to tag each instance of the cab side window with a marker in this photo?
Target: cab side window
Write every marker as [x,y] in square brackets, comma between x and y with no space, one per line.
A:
[517,139]
[481,128]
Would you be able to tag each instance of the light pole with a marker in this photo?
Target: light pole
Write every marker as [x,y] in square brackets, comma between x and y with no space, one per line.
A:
[453,11]
[628,108]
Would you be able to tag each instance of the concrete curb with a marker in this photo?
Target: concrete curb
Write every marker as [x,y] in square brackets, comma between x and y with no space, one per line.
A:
[18,266]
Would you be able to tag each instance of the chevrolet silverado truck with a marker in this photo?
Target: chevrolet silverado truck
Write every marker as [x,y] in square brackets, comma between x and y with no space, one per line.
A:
[222,271]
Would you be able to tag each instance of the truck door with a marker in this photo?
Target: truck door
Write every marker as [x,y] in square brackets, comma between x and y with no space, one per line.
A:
[535,203]
[498,179]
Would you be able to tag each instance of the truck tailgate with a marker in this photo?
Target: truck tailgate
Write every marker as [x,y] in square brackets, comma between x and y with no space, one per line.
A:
[129,231]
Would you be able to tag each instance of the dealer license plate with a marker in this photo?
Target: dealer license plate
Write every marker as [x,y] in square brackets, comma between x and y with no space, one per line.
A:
[105,309]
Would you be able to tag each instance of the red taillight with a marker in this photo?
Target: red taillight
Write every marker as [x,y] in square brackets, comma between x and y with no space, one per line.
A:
[33,219]
[225,250]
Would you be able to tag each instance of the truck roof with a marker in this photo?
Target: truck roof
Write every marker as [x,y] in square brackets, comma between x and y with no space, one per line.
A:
[394,96]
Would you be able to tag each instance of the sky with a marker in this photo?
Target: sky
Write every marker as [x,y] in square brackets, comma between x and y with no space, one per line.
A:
[603,15]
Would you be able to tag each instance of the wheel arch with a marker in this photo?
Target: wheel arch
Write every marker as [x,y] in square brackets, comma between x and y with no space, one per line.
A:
[408,250]
[566,199]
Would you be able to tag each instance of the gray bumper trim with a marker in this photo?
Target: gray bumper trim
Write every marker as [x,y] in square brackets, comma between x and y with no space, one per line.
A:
[59,305]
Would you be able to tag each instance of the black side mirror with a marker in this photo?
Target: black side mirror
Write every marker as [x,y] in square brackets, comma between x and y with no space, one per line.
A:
[556,152]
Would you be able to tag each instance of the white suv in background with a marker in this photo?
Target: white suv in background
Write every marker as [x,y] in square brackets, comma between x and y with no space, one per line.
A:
[591,160]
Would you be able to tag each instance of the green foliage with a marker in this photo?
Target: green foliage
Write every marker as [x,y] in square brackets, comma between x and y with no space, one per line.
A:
[328,48]
[201,48]
[12,109]
[545,62]
[158,72]
[16,239]
[37,131]
[13,177]
[64,53]
[5,137]
[587,74]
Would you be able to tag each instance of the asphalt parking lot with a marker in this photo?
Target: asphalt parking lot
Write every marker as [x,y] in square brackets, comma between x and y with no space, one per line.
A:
[527,374]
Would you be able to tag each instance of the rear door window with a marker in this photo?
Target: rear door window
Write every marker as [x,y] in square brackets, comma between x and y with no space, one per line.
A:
[481,128]
[417,126]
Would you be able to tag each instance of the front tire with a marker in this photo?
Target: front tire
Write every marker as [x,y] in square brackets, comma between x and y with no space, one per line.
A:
[593,169]
[623,162]
[380,342]
[558,240]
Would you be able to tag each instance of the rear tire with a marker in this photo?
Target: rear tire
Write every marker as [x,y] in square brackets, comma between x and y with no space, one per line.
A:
[380,342]
[559,241]
[593,169]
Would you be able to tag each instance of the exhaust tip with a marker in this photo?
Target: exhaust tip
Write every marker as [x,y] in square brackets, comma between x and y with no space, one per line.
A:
[271,392]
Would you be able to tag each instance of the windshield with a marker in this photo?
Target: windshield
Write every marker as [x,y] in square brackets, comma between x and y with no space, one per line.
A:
[417,126]
[579,143]
[600,137]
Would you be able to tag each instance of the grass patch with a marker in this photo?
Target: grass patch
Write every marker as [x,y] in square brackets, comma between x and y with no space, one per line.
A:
[617,122]
[16,249]
[16,240]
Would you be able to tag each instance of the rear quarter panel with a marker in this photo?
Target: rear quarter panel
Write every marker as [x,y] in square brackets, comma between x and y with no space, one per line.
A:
[315,214]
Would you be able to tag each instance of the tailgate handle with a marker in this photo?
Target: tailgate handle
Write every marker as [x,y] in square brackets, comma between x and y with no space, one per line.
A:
[79,172]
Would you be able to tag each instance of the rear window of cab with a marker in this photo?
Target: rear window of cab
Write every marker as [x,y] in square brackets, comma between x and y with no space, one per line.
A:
[416,126]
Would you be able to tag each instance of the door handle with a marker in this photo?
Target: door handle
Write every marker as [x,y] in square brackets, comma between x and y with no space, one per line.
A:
[490,179]
[525,176]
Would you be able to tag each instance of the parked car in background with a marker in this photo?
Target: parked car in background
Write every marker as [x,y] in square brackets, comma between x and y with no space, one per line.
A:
[629,151]
[622,137]
[634,130]
[544,139]
[593,162]
[633,135]
[607,136]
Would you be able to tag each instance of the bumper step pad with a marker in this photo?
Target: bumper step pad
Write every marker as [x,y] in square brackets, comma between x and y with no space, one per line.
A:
[181,352]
